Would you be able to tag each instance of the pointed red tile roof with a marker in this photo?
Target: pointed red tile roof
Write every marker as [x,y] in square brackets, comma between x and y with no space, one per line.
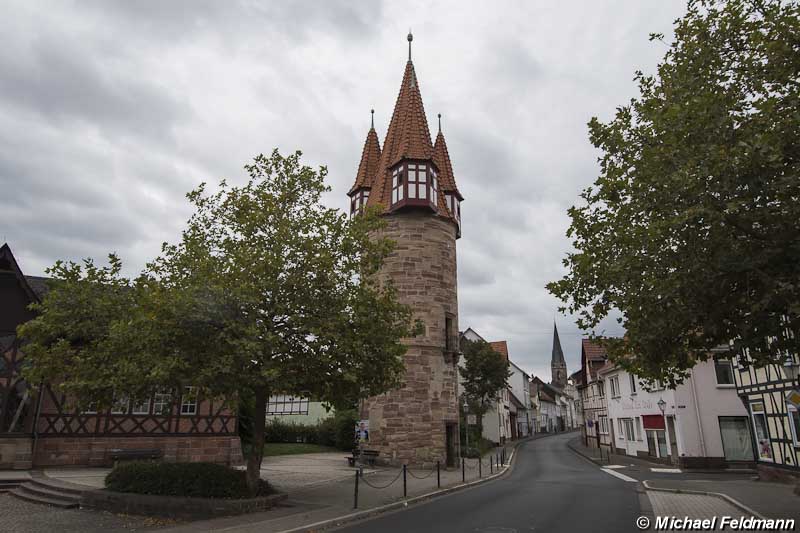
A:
[442,159]
[408,136]
[370,157]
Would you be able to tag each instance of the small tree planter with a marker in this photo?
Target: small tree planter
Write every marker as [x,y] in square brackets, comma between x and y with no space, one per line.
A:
[175,506]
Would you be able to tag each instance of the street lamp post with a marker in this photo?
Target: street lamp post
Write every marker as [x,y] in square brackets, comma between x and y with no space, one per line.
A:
[662,405]
[466,423]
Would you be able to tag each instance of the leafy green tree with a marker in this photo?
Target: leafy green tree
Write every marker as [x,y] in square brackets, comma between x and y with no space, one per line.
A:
[692,229]
[484,375]
[268,291]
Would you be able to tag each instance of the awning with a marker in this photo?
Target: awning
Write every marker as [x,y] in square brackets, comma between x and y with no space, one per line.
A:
[653,421]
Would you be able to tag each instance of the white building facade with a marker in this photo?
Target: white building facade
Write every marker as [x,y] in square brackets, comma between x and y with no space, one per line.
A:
[700,424]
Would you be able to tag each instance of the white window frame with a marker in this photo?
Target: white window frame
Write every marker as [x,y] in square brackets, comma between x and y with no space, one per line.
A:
[729,363]
[614,384]
[632,380]
[189,400]
[117,402]
[762,412]
[135,404]
[162,403]
[794,427]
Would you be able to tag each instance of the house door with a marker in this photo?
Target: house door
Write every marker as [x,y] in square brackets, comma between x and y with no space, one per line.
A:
[627,436]
[450,444]
[761,431]
[736,442]
[673,439]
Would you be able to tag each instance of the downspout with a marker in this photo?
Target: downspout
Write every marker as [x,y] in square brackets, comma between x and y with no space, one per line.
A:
[697,414]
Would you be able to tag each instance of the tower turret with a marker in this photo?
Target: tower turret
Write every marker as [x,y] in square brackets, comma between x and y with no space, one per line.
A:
[418,422]
[558,365]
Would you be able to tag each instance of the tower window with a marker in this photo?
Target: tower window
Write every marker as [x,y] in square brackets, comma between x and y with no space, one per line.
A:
[358,201]
[397,185]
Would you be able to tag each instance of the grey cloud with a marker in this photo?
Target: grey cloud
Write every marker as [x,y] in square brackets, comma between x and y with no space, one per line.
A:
[113,110]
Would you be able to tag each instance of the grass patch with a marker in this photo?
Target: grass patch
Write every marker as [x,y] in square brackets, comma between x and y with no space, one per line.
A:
[294,448]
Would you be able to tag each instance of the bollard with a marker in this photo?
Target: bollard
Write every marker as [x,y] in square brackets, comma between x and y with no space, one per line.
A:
[405,490]
[491,465]
[480,462]
[438,476]
[463,472]
[355,493]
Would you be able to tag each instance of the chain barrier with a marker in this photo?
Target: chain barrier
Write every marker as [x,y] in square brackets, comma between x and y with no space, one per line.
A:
[411,473]
[364,479]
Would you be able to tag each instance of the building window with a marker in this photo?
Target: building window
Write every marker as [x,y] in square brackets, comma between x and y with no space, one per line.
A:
[120,405]
[603,424]
[141,407]
[358,201]
[287,405]
[724,371]
[417,182]
[397,185]
[189,401]
[638,428]
[162,402]
[601,389]
[633,383]
[614,387]
[794,423]
[628,425]
[761,431]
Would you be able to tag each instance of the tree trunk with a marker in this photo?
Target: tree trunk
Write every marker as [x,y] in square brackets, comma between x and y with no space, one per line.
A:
[257,451]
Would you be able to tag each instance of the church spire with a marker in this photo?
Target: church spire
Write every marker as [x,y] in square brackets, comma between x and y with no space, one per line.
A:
[558,365]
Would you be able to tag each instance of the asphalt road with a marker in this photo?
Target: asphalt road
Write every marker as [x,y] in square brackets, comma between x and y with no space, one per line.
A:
[551,489]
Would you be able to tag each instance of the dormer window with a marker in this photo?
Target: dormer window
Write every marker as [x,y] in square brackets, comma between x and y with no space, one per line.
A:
[453,204]
[414,183]
[358,201]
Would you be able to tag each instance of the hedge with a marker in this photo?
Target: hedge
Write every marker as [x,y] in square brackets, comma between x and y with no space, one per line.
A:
[200,480]
[337,431]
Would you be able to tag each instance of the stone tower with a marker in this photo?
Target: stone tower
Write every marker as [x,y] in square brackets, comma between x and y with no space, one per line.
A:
[558,366]
[411,180]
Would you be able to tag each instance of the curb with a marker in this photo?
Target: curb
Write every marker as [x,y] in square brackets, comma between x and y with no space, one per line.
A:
[368,513]
[732,501]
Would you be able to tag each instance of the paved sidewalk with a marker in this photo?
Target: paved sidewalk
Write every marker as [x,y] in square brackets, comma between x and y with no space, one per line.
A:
[325,501]
[693,506]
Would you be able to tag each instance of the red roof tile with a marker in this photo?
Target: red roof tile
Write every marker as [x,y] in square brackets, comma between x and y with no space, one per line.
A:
[442,159]
[593,350]
[370,157]
[500,347]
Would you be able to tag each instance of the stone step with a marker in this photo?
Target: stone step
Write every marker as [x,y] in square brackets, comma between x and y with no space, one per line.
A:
[57,485]
[45,492]
[8,484]
[23,492]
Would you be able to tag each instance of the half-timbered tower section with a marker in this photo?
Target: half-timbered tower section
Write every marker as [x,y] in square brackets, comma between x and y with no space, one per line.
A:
[771,395]
[410,180]
[44,429]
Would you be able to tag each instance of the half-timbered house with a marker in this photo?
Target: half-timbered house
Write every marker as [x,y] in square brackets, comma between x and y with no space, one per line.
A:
[771,395]
[39,427]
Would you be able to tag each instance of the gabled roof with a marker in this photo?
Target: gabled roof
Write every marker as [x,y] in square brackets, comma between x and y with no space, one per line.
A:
[500,347]
[8,262]
[517,403]
[593,350]
[370,158]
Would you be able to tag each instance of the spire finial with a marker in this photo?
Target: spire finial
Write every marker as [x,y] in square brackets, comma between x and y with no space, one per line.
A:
[410,38]
[372,118]
[440,123]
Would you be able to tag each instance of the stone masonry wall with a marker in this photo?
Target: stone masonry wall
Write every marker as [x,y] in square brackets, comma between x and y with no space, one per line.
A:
[15,452]
[94,451]
[408,425]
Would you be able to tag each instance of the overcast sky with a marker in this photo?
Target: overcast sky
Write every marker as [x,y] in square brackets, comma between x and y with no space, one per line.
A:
[111,111]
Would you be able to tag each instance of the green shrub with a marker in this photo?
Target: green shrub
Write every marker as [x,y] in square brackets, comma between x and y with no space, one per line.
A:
[200,480]
[345,423]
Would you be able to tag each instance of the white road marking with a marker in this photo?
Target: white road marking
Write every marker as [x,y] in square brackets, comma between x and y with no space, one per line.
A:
[667,470]
[623,477]
[614,466]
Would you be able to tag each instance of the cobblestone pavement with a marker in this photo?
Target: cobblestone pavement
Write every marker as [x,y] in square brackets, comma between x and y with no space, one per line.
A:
[23,517]
[694,506]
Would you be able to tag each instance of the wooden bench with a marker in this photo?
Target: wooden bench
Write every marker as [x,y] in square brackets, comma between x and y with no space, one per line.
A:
[367,456]
[117,455]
